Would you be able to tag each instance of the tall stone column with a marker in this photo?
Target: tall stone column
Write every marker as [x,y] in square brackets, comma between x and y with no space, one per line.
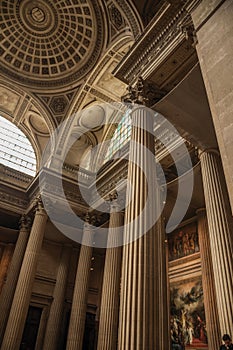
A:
[220,234]
[142,285]
[109,312]
[163,280]
[51,338]
[213,27]
[21,300]
[79,302]
[211,310]
[13,273]
[5,261]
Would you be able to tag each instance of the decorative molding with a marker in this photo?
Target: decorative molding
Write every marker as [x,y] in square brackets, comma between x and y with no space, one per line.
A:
[59,104]
[56,62]
[13,200]
[12,176]
[185,267]
[89,86]
[115,16]
[45,279]
[102,97]
[131,16]
[153,43]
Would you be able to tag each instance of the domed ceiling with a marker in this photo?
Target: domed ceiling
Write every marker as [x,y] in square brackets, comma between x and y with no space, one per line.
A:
[49,43]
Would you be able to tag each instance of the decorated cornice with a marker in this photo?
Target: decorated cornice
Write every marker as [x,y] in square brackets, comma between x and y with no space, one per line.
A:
[165,30]
[14,201]
[14,178]
[76,182]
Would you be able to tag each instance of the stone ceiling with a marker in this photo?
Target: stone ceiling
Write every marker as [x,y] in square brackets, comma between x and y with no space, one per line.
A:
[147,9]
[57,58]
[49,43]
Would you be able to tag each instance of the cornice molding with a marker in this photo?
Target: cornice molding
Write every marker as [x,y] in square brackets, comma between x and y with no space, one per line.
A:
[161,37]
[14,178]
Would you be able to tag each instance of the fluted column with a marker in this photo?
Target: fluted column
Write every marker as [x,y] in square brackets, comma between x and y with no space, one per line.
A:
[220,234]
[51,339]
[21,300]
[162,279]
[5,261]
[13,273]
[109,312]
[140,301]
[79,302]
[211,310]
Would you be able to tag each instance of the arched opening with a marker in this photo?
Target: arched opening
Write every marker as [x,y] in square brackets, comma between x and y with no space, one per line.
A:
[16,151]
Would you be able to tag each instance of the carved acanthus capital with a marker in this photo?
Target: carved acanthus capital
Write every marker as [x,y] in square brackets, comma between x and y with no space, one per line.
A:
[116,201]
[136,94]
[90,219]
[38,204]
[87,218]
[112,197]
[25,222]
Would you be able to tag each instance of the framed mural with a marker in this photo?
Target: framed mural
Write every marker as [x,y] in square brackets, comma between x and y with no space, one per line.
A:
[187,315]
[183,242]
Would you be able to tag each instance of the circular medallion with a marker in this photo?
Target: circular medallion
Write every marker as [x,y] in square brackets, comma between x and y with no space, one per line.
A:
[92,117]
[37,18]
[38,14]
[38,124]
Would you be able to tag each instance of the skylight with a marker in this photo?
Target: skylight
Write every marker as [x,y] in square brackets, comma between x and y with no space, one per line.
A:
[16,151]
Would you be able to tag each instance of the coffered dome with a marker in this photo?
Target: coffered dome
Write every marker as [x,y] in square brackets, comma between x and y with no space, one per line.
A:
[49,43]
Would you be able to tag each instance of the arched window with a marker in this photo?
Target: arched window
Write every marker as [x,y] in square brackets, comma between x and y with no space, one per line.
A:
[16,151]
[121,136]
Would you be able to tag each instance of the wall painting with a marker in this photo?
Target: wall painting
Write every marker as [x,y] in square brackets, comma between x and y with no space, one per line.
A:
[187,321]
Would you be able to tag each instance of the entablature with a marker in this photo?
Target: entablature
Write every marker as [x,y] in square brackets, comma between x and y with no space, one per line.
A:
[163,54]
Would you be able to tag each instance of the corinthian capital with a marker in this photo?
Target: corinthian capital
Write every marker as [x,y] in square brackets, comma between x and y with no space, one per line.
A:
[24,222]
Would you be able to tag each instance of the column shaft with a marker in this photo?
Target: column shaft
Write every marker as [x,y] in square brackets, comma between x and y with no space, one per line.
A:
[163,320]
[12,275]
[79,302]
[213,27]
[140,308]
[5,261]
[56,311]
[211,311]
[21,300]
[109,312]
[220,237]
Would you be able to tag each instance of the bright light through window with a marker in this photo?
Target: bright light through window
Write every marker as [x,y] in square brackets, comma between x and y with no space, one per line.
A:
[121,136]
[15,149]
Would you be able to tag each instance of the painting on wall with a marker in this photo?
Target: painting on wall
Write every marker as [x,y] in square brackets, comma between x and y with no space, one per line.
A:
[187,320]
[183,242]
